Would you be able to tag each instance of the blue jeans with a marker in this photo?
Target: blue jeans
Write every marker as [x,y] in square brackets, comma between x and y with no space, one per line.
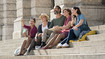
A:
[71,36]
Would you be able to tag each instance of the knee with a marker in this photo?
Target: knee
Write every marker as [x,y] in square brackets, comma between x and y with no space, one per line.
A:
[45,30]
[25,40]
[59,35]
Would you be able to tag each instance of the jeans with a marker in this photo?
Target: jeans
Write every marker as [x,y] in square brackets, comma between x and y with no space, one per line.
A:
[71,36]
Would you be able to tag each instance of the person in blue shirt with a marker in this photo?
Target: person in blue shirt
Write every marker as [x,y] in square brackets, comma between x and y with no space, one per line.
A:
[79,26]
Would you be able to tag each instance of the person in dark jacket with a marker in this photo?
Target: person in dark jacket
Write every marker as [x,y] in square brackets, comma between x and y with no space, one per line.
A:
[45,25]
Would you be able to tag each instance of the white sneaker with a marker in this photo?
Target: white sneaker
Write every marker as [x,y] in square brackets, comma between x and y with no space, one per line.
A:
[59,45]
[65,45]
[37,47]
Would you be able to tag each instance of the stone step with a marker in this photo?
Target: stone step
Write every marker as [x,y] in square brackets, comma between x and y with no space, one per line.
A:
[96,37]
[88,43]
[100,31]
[79,48]
[66,56]
[100,27]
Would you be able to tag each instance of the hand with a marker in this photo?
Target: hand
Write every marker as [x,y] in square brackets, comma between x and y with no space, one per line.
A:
[75,28]
[29,37]
[36,40]
[39,34]
[56,27]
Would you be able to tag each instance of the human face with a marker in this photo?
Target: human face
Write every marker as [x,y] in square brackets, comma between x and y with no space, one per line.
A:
[31,22]
[43,19]
[56,10]
[66,13]
[74,12]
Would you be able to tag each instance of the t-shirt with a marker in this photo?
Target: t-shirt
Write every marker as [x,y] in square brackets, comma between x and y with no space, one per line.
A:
[80,17]
[43,28]
[57,21]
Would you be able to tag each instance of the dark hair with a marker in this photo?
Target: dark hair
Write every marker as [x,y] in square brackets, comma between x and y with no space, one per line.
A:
[68,10]
[33,19]
[78,10]
[59,8]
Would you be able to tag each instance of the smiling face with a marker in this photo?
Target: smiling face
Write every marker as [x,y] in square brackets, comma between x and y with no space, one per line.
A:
[56,10]
[43,18]
[74,12]
[66,13]
[32,22]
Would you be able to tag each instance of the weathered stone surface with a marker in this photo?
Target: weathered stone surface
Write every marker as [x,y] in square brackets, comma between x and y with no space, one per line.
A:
[9,21]
[1,7]
[38,11]
[10,6]
[7,34]
[1,14]
[11,14]
[102,27]
[40,3]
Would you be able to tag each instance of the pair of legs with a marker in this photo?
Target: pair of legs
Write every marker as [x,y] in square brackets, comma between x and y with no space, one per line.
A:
[55,40]
[71,36]
[24,46]
[46,36]
[35,43]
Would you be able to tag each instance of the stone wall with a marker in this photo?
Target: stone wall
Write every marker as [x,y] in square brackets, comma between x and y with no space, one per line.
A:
[23,10]
[27,8]
[93,10]
[1,17]
[9,15]
[38,7]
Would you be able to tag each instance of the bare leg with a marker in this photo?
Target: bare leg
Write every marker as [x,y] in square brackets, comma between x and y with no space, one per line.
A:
[57,40]
[25,45]
[51,41]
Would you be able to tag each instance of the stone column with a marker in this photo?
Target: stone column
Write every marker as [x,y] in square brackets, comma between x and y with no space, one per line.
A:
[23,10]
[9,15]
[1,17]
[40,6]
[93,10]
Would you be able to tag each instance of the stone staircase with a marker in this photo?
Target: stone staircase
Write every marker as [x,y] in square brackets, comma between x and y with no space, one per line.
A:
[94,48]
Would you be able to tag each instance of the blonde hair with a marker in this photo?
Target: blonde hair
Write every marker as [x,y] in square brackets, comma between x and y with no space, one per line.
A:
[44,14]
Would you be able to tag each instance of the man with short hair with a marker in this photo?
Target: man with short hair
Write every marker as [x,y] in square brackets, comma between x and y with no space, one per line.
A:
[58,21]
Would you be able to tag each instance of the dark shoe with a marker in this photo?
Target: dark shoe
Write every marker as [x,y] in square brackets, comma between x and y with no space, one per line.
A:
[43,44]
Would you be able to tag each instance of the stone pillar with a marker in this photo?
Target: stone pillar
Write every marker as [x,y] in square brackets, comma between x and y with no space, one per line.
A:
[38,7]
[23,10]
[93,10]
[9,15]
[1,17]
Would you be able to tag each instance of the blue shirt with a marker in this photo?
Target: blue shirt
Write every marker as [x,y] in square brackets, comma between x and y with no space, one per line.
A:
[80,17]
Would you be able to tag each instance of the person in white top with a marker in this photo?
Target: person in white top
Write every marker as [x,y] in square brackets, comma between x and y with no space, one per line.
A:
[38,38]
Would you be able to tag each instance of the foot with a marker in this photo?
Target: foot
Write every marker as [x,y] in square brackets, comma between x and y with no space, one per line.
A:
[59,45]
[65,45]
[43,44]
[37,47]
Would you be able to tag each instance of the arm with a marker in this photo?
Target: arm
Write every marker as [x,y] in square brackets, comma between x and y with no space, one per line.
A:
[22,22]
[67,26]
[80,23]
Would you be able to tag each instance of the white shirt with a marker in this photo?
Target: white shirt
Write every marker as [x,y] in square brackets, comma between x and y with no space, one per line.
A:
[43,28]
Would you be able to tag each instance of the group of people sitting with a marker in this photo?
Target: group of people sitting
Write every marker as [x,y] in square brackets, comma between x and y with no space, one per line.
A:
[56,33]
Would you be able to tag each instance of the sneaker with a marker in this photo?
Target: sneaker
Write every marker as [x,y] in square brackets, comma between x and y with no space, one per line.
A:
[59,45]
[65,45]
[37,47]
